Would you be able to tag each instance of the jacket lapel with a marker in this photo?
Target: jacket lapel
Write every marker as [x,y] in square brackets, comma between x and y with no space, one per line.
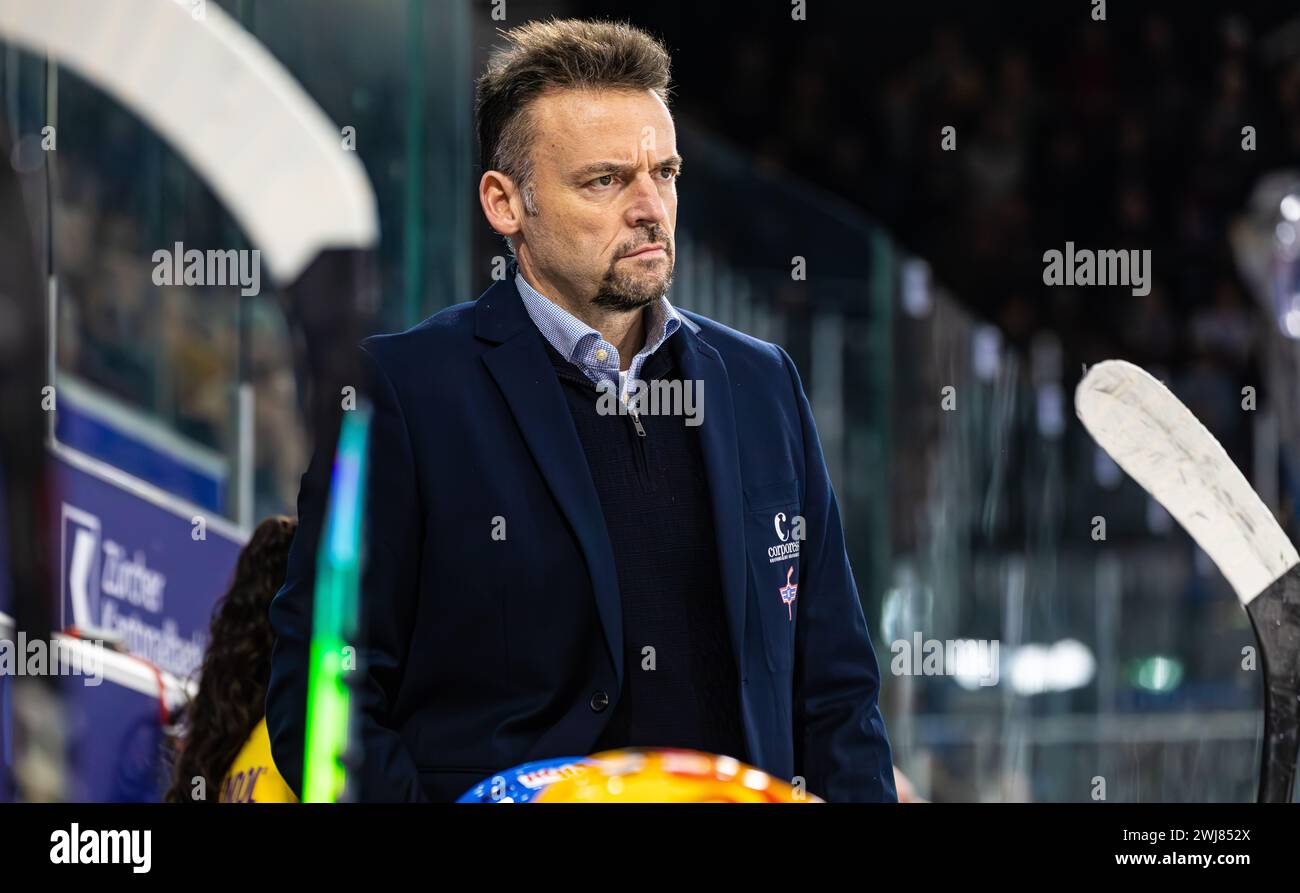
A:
[701,362]
[524,373]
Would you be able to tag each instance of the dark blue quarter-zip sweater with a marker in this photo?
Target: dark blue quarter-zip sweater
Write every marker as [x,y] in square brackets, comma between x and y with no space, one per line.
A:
[680,687]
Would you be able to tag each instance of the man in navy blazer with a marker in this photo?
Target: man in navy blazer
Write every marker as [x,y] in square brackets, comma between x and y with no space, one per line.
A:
[559,561]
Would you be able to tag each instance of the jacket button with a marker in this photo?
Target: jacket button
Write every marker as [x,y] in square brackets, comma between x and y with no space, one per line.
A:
[599,701]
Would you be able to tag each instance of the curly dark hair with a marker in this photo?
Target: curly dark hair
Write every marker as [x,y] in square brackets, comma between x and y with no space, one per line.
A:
[237,666]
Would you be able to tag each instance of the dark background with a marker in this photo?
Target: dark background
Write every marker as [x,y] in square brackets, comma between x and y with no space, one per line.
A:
[1124,133]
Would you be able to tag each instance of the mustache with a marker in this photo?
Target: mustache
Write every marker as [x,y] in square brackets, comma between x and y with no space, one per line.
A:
[656,236]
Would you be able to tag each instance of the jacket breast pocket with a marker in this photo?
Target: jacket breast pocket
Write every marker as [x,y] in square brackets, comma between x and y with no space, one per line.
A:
[773,538]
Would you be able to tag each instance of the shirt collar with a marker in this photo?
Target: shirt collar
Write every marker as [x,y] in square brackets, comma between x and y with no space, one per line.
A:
[573,338]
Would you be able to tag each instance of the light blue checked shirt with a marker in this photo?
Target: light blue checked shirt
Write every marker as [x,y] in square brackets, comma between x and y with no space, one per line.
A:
[583,346]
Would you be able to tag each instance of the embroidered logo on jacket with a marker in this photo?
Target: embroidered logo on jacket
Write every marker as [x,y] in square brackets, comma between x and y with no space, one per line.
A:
[788,592]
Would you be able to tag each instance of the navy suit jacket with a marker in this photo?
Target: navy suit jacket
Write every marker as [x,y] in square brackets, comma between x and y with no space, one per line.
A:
[482,652]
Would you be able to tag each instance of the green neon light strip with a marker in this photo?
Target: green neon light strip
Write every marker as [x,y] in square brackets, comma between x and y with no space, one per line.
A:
[334,620]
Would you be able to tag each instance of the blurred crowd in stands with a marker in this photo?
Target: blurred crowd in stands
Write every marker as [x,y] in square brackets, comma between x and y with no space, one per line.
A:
[1123,134]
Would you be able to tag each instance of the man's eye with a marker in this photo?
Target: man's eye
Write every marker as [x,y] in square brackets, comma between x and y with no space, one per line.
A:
[672,172]
[601,181]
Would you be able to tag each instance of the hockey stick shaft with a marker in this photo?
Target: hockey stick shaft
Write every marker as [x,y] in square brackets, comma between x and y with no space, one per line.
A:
[1275,615]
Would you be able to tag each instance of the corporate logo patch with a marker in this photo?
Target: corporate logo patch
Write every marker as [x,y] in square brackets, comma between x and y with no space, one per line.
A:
[787,548]
[788,592]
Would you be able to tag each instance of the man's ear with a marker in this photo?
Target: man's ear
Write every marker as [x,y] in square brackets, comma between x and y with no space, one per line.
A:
[501,202]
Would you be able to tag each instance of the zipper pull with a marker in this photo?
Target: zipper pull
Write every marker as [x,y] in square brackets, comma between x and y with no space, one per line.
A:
[636,420]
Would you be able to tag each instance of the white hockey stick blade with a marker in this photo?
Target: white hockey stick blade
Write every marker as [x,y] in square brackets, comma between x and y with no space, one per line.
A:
[227,106]
[1161,445]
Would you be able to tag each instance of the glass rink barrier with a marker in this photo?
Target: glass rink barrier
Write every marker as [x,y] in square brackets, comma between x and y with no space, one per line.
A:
[1045,630]
[177,407]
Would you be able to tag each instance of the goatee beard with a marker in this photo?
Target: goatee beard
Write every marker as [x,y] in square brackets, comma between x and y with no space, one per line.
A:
[623,293]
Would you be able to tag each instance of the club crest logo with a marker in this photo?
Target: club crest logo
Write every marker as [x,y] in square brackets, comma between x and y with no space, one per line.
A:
[788,592]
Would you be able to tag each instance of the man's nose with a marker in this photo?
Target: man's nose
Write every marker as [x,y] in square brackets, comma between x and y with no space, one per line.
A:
[646,203]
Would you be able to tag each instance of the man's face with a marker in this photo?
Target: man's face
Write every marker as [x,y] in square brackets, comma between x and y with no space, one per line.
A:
[605,177]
